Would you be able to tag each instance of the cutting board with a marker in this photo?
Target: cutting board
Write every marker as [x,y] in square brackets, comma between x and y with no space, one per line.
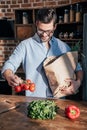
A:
[6,105]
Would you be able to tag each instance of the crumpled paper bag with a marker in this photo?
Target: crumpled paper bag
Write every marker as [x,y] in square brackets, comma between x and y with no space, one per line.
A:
[57,69]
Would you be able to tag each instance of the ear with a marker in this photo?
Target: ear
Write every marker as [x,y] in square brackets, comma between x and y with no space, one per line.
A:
[55,26]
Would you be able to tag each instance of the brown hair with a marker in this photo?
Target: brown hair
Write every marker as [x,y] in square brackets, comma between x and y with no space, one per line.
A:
[46,15]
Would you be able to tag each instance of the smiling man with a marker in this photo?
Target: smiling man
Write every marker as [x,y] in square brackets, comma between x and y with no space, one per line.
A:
[33,51]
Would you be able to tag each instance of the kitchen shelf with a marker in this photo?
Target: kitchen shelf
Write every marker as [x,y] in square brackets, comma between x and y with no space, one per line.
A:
[68,39]
[70,23]
[23,31]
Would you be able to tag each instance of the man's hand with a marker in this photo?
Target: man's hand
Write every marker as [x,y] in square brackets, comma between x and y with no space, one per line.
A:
[12,79]
[73,84]
[72,87]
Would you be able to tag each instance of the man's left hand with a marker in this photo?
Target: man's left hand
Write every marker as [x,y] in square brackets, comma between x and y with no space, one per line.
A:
[72,87]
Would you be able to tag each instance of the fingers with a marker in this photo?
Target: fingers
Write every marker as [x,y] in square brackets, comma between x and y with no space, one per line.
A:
[69,87]
[68,91]
[67,83]
[17,79]
[69,79]
[13,84]
[14,80]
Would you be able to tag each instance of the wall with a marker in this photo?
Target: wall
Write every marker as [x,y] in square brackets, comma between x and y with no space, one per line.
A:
[7,9]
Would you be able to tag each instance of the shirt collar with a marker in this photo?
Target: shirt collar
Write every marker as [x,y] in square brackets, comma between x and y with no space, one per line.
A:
[37,38]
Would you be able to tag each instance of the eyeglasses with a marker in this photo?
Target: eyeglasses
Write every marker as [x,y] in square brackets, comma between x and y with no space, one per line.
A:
[48,32]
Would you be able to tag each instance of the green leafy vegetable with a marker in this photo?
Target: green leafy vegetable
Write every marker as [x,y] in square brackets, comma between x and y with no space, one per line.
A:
[42,109]
[77,46]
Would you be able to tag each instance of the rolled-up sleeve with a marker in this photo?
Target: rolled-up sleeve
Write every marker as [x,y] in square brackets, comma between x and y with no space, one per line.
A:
[14,60]
[78,67]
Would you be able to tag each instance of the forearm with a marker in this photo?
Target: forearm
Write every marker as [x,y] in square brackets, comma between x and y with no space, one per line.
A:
[7,73]
[79,77]
[13,80]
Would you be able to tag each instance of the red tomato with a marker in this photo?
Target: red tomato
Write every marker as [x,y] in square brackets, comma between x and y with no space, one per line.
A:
[22,86]
[32,87]
[28,81]
[26,87]
[18,89]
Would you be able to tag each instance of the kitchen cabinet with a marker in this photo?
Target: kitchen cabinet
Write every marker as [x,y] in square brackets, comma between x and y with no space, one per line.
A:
[70,30]
[24,31]
[5,88]
[24,23]
[70,25]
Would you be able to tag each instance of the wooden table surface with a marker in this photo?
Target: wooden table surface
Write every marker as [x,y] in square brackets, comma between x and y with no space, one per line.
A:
[16,119]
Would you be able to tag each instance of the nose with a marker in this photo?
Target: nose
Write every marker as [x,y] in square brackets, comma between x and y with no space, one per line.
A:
[44,34]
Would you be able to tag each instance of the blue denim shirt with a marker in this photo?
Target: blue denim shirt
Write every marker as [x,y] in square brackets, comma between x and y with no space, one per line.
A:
[31,53]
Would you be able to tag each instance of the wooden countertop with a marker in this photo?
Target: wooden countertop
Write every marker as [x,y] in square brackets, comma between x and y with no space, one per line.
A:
[16,119]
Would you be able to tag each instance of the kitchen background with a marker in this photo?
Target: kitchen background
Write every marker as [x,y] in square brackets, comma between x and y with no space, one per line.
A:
[17,20]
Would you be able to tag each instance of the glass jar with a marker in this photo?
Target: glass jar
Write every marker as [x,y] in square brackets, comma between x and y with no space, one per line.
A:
[60,19]
[66,35]
[25,18]
[61,35]
[72,14]
[71,35]
[66,16]
[78,13]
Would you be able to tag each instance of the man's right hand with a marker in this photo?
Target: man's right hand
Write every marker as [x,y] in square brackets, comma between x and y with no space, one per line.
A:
[12,79]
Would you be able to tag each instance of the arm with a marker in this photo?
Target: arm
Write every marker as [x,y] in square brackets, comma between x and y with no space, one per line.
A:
[11,65]
[12,79]
[79,77]
[74,84]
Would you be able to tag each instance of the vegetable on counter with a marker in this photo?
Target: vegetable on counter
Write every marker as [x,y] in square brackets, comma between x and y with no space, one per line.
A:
[25,85]
[72,112]
[42,109]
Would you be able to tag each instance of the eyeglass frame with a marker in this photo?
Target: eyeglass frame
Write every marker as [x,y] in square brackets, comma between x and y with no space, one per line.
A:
[48,32]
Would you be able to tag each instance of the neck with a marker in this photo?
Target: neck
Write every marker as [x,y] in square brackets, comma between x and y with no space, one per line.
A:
[47,45]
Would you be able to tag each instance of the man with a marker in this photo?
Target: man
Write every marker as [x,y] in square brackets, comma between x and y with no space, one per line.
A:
[33,51]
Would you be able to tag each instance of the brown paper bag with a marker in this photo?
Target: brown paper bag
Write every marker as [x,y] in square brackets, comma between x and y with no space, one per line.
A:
[57,69]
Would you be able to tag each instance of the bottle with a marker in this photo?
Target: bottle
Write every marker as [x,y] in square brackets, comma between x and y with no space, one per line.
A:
[25,18]
[72,14]
[66,16]
[60,19]
[78,13]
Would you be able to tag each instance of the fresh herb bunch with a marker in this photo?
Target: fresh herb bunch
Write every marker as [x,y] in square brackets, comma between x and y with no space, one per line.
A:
[77,46]
[42,109]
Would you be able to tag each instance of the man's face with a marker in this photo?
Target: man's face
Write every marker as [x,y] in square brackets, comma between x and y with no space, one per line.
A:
[45,31]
